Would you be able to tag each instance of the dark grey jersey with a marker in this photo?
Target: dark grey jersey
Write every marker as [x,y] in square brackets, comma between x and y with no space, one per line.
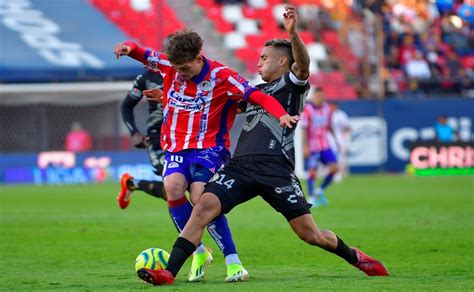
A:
[261,133]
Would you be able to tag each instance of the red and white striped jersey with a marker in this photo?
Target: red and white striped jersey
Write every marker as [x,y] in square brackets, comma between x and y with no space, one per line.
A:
[198,113]
[316,121]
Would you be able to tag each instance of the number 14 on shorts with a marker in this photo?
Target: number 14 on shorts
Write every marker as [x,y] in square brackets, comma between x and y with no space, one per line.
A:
[221,180]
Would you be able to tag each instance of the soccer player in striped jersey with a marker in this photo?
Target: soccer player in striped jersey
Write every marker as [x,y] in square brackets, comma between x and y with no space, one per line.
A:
[200,99]
[316,122]
[263,165]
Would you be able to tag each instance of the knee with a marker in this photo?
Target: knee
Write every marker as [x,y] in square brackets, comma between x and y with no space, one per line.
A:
[208,207]
[174,190]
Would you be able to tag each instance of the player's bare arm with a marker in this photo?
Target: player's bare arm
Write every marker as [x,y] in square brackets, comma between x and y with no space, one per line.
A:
[301,66]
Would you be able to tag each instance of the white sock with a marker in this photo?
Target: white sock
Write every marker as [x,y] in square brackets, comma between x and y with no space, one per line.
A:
[200,249]
[232,258]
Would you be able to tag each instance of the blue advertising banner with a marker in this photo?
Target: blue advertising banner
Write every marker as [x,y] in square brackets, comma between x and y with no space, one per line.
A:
[58,40]
[382,131]
[60,167]
[414,120]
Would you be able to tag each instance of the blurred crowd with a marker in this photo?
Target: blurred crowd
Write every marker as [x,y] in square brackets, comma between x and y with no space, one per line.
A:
[409,48]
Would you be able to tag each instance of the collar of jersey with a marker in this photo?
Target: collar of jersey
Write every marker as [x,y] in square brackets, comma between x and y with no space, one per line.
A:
[200,77]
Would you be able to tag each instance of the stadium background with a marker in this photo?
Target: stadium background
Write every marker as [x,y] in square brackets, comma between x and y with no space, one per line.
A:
[57,68]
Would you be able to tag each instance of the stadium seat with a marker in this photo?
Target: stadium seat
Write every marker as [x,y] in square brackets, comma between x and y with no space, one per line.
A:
[232,13]
[234,40]
[247,26]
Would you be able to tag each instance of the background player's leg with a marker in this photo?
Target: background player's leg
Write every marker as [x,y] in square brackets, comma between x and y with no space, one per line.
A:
[151,187]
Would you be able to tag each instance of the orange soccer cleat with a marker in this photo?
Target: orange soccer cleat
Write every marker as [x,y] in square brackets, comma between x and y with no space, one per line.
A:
[369,265]
[123,197]
[156,277]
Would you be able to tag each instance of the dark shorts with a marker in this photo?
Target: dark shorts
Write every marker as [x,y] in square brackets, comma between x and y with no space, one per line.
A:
[197,165]
[244,178]
[326,157]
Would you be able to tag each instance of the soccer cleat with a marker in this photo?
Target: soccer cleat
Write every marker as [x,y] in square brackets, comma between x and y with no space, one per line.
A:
[313,201]
[123,197]
[156,277]
[321,197]
[369,265]
[200,261]
[236,273]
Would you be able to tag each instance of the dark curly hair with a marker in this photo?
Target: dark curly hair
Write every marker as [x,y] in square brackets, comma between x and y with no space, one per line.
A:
[284,46]
[183,46]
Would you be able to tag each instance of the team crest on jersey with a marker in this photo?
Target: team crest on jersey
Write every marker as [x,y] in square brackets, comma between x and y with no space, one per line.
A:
[205,86]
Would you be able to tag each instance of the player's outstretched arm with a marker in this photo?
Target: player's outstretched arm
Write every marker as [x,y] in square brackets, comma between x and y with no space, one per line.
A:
[271,105]
[301,66]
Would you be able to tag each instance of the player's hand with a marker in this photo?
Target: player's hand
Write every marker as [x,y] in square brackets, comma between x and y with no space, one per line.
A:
[289,19]
[287,121]
[139,140]
[121,49]
[154,94]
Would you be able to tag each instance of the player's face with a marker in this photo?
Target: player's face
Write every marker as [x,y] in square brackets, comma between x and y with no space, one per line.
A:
[269,64]
[318,97]
[189,69]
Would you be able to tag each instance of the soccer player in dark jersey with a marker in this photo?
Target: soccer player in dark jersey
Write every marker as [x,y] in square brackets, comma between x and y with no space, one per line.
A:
[263,164]
[146,81]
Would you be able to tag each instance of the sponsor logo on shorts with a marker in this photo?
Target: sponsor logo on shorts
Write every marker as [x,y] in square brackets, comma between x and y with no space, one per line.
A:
[173,165]
[285,189]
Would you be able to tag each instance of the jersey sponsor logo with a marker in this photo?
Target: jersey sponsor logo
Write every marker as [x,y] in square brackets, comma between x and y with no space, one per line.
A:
[186,102]
[173,165]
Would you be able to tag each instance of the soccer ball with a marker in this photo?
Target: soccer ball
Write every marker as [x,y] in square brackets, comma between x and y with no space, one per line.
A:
[152,258]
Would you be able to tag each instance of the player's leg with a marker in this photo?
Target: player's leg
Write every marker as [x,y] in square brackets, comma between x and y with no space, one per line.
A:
[128,184]
[216,200]
[218,228]
[307,230]
[328,158]
[290,201]
[311,164]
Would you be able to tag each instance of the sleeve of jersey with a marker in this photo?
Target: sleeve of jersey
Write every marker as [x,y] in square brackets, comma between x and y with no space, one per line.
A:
[155,61]
[241,87]
[268,102]
[128,117]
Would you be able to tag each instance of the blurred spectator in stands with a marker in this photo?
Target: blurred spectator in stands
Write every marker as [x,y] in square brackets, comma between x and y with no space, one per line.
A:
[418,73]
[78,139]
[444,132]
[466,12]
[444,6]
[407,49]
[454,69]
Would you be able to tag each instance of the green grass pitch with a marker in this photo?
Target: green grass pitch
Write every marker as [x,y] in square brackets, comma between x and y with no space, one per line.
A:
[76,238]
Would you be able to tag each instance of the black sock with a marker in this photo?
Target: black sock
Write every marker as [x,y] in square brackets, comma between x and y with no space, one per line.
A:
[344,252]
[154,188]
[182,249]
